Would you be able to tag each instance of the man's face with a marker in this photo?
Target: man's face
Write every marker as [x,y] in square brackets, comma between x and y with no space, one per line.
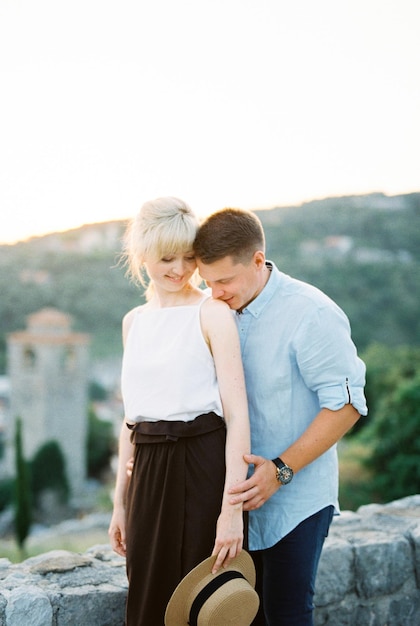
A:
[234,283]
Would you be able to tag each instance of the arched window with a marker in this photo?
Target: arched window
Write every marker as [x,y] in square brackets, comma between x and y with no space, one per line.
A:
[70,359]
[29,358]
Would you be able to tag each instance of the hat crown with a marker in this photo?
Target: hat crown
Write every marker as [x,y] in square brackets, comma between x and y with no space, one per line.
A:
[222,599]
[235,604]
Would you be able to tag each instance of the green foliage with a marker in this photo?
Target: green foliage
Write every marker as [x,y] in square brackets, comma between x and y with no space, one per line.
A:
[48,471]
[23,507]
[395,442]
[100,445]
[356,487]
[2,444]
[7,490]
[379,459]
[391,430]
[386,369]
[97,391]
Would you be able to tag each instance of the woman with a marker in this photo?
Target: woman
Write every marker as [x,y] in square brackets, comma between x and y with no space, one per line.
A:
[186,418]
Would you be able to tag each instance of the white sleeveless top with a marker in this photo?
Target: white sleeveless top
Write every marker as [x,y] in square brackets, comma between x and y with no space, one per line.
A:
[168,372]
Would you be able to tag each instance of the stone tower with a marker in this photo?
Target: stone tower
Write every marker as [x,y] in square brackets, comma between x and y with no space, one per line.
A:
[48,370]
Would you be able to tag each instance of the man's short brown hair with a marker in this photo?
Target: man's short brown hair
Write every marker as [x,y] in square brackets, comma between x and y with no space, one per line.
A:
[230,232]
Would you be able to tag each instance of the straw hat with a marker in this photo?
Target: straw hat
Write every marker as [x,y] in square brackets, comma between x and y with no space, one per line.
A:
[222,599]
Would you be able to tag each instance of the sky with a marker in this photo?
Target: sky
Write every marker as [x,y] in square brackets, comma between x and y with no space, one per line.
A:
[249,103]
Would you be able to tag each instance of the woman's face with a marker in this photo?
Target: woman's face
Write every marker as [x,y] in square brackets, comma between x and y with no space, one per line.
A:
[173,271]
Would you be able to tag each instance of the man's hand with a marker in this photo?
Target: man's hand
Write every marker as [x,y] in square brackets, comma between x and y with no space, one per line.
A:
[259,487]
[129,467]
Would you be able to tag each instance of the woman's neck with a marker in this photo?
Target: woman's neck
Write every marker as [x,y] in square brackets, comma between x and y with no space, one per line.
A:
[165,299]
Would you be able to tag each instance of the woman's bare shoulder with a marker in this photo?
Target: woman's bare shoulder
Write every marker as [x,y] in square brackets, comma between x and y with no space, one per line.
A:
[130,314]
[215,312]
[128,317]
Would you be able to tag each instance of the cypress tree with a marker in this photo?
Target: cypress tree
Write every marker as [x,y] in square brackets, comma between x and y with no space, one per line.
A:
[22,491]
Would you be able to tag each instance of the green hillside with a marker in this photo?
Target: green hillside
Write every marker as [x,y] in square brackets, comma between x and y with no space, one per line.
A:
[363,251]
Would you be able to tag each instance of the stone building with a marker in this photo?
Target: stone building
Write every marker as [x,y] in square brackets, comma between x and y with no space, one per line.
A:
[48,371]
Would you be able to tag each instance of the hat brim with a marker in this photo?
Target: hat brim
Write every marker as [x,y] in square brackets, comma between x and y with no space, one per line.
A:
[178,609]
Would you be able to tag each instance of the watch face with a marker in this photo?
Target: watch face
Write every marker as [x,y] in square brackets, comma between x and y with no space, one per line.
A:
[285,475]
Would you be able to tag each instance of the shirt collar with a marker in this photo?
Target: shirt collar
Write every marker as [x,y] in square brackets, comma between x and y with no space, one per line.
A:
[258,304]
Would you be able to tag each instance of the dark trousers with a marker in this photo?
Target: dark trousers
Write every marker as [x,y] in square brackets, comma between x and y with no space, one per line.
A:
[286,573]
[173,502]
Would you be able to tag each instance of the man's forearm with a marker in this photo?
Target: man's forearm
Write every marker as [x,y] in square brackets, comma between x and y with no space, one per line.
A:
[325,430]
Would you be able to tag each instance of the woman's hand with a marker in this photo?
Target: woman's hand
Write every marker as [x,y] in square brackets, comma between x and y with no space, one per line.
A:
[229,536]
[116,531]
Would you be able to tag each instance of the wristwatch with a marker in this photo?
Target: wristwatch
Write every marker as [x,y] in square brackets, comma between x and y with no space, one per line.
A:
[284,473]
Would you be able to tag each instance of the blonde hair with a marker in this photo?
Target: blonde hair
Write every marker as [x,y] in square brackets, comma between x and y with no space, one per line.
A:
[162,227]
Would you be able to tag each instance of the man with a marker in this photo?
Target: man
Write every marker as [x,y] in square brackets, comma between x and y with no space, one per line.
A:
[305,391]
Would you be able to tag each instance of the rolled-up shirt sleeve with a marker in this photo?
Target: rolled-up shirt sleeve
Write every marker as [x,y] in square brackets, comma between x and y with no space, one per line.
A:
[334,398]
[328,360]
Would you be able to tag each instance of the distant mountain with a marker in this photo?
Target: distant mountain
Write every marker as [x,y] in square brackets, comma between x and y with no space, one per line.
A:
[374,222]
[85,239]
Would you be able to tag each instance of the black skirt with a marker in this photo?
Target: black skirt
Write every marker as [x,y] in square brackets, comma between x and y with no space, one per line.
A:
[173,502]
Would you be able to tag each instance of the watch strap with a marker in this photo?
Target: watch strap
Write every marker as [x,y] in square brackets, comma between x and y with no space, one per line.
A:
[277,461]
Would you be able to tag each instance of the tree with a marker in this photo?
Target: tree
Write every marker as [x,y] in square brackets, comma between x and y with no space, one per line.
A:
[394,439]
[23,508]
[49,472]
[99,444]
[386,369]
[97,391]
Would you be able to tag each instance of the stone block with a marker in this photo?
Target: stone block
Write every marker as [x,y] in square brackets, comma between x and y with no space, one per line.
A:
[56,561]
[342,613]
[336,572]
[28,605]
[415,538]
[405,610]
[382,562]
[3,604]
[86,606]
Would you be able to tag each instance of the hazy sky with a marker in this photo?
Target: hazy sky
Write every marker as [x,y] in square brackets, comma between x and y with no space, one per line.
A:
[253,103]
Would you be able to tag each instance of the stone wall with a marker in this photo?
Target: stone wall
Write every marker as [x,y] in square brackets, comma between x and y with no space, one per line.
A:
[369,575]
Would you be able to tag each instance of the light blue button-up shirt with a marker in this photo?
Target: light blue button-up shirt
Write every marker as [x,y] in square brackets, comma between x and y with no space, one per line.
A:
[298,357]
